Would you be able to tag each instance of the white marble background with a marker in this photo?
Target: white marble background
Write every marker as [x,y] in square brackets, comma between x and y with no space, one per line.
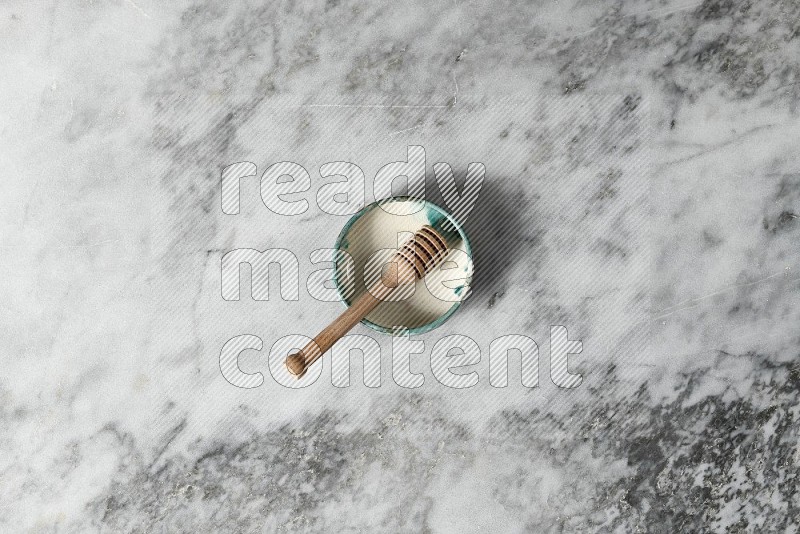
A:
[643,154]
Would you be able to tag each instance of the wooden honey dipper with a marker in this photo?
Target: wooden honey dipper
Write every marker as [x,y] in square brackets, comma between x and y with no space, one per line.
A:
[413,260]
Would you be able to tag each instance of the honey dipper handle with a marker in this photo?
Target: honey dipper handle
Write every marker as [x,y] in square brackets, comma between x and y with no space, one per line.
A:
[298,362]
[412,261]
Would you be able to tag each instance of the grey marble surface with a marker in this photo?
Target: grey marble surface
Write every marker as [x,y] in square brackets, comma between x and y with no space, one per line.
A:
[642,189]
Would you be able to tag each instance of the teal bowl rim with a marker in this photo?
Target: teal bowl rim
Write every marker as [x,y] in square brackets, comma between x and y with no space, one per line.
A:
[366,209]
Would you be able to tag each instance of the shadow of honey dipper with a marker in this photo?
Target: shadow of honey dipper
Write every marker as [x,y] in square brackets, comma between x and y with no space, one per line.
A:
[412,261]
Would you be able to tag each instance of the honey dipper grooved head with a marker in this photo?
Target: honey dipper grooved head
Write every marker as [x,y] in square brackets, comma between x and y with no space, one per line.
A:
[296,364]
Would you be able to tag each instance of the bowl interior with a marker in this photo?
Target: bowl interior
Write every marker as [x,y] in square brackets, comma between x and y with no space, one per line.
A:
[370,239]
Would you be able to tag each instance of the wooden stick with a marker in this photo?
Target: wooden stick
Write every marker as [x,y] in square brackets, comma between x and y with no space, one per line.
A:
[416,257]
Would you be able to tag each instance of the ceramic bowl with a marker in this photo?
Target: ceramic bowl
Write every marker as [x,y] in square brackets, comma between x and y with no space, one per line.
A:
[370,238]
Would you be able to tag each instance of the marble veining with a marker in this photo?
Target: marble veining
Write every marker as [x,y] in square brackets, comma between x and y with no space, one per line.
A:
[642,188]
